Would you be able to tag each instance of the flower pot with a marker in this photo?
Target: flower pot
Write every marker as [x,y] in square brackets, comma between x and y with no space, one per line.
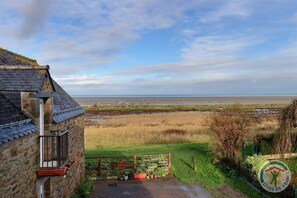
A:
[139,175]
[125,177]
[152,176]
[51,172]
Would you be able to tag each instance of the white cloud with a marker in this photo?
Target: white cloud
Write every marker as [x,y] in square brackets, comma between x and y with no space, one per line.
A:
[84,79]
[220,83]
[77,36]
[206,48]
[63,30]
[95,32]
[269,74]
[202,54]
[233,8]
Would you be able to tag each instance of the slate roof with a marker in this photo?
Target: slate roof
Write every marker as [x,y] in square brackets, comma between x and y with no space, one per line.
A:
[13,97]
[8,112]
[64,106]
[16,130]
[19,73]
[21,79]
[13,123]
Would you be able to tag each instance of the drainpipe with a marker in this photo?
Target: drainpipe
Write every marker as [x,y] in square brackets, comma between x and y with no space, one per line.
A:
[41,190]
[41,130]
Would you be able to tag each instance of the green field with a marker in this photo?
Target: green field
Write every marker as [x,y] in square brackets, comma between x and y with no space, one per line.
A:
[207,174]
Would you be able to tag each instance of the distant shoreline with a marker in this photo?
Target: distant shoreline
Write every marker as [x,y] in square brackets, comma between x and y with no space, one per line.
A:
[181,100]
[176,96]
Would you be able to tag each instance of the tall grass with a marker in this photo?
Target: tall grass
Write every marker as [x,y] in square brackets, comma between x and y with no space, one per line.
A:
[156,128]
[125,130]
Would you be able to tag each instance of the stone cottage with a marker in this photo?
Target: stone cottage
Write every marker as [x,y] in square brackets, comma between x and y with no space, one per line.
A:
[41,132]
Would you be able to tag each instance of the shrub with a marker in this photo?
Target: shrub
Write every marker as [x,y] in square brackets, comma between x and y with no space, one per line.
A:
[84,188]
[267,148]
[229,171]
[252,165]
[230,127]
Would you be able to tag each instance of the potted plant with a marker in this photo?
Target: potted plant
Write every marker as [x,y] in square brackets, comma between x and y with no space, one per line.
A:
[158,170]
[163,172]
[151,175]
[140,173]
[155,174]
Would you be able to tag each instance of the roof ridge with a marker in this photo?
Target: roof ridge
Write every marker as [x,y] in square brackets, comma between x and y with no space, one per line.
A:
[20,56]
[41,67]
[67,110]
[16,123]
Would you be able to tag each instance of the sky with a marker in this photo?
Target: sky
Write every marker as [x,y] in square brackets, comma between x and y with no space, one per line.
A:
[158,47]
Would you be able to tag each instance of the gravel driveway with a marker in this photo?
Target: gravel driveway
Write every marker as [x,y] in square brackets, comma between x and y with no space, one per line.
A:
[159,188]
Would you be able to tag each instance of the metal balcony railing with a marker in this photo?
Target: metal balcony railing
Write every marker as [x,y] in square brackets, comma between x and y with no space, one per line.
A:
[54,149]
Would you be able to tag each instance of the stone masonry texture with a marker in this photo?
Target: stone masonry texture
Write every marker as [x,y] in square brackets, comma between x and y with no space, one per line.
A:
[18,164]
[19,161]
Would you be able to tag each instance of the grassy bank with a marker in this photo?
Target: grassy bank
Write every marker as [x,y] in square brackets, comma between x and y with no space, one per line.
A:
[207,174]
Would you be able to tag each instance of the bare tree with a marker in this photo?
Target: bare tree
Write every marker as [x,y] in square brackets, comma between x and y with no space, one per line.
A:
[284,137]
[230,127]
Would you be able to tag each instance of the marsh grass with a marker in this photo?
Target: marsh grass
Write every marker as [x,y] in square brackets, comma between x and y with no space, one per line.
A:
[157,128]
[143,129]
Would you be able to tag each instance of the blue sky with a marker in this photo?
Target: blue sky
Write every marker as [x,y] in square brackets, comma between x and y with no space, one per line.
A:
[158,47]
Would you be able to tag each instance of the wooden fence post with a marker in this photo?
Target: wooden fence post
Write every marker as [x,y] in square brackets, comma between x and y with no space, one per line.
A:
[99,164]
[135,163]
[169,163]
[194,164]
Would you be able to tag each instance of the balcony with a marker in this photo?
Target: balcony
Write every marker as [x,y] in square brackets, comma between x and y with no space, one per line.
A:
[54,159]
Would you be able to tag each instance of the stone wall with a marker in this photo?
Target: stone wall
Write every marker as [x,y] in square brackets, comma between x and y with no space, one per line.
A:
[30,106]
[65,186]
[19,161]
